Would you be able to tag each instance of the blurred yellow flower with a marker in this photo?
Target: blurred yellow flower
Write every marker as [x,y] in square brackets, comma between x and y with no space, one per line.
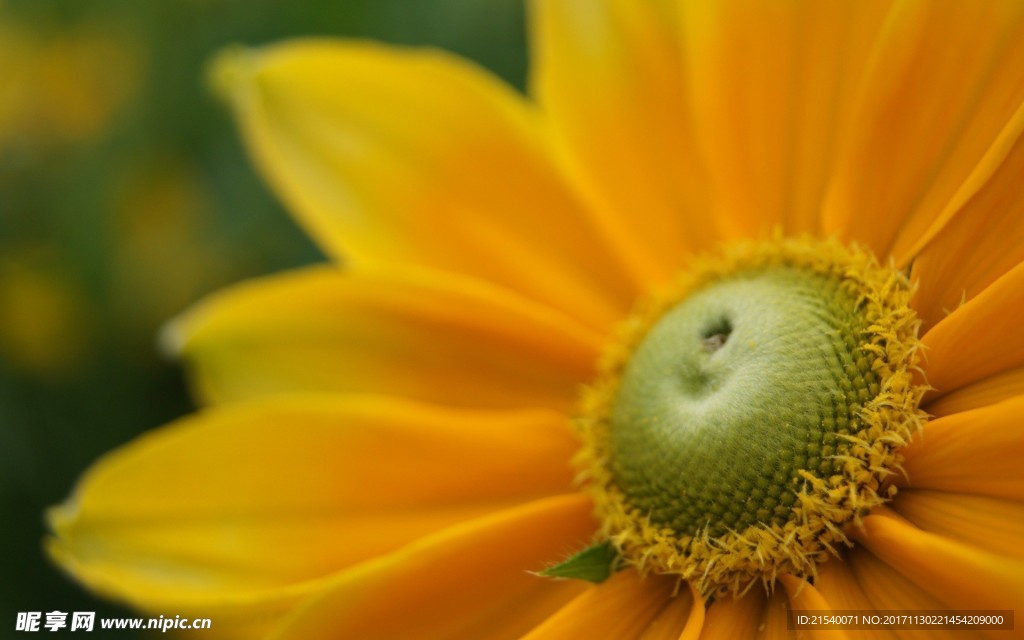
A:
[64,86]
[164,254]
[46,321]
[385,451]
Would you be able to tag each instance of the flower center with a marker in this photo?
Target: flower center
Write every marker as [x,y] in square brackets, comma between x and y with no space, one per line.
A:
[746,418]
[734,391]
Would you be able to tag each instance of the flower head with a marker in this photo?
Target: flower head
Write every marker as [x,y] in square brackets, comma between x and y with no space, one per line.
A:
[727,246]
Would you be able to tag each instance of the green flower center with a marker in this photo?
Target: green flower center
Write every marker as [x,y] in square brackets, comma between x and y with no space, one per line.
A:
[732,393]
[744,420]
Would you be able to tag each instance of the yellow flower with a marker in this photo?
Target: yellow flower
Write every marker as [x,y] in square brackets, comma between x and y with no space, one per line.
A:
[62,87]
[46,321]
[385,452]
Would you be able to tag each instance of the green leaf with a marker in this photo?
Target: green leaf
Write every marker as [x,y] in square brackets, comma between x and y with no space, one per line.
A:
[593,564]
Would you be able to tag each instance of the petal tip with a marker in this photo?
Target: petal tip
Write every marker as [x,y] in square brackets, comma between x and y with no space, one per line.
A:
[230,70]
[170,340]
[59,521]
[58,517]
[54,550]
[60,524]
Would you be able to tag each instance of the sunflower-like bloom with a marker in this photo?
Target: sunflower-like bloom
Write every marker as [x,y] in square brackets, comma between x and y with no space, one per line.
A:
[756,268]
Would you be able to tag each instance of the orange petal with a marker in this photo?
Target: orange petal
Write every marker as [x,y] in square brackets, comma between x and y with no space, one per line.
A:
[884,587]
[730,618]
[981,338]
[958,576]
[470,581]
[995,524]
[838,586]
[440,338]
[942,82]
[623,606]
[390,156]
[772,87]
[681,619]
[774,624]
[984,392]
[607,74]
[972,452]
[236,502]
[983,241]
[803,596]
[862,582]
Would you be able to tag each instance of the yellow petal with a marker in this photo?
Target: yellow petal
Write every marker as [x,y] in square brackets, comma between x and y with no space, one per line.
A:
[470,581]
[983,241]
[958,576]
[773,86]
[943,81]
[607,74]
[971,452]
[623,606]
[389,155]
[439,338]
[995,524]
[981,338]
[240,501]
[982,393]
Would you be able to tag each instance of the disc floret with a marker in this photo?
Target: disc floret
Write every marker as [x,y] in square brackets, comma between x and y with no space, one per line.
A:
[748,415]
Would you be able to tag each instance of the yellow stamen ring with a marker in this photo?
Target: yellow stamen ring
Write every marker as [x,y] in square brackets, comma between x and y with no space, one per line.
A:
[647,455]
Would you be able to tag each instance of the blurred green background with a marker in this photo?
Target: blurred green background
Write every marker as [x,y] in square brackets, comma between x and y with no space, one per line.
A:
[125,196]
